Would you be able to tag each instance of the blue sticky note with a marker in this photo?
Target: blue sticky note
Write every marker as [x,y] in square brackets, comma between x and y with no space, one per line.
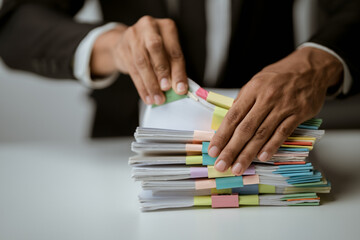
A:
[207,160]
[205,146]
[229,182]
[247,189]
[293,149]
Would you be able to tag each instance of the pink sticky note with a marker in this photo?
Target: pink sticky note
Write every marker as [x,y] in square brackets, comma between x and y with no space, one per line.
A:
[225,201]
[202,93]
[251,179]
[205,184]
[250,170]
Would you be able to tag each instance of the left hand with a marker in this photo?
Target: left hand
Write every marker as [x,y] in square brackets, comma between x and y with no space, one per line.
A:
[271,105]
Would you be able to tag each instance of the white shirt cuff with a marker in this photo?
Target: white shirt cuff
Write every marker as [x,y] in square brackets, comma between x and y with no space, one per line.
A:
[82,59]
[347,78]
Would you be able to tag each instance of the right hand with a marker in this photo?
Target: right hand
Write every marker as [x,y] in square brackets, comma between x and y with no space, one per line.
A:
[149,51]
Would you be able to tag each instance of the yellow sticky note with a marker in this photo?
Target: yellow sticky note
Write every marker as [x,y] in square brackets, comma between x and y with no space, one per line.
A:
[248,199]
[213,173]
[192,160]
[263,188]
[221,191]
[220,100]
[202,200]
[217,118]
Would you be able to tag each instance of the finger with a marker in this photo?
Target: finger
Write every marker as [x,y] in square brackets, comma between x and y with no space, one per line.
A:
[159,59]
[140,87]
[242,134]
[282,132]
[171,42]
[261,136]
[232,119]
[145,70]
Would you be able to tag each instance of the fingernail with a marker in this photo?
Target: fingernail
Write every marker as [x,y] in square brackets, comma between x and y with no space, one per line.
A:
[236,169]
[220,165]
[157,99]
[180,87]
[148,100]
[213,151]
[164,84]
[263,156]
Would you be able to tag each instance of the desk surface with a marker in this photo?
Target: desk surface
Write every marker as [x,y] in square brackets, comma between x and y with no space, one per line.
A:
[84,191]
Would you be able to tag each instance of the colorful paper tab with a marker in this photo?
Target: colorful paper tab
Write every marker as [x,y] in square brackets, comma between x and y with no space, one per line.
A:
[263,188]
[213,173]
[251,179]
[218,116]
[198,172]
[207,160]
[205,184]
[193,160]
[193,148]
[221,191]
[202,93]
[225,201]
[171,96]
[204,147]
[220,100]
[202,201]
[249,200]
[247,189]
[229,182]
[203,136]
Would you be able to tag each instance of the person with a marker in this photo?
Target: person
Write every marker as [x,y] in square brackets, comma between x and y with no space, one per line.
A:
[149,47]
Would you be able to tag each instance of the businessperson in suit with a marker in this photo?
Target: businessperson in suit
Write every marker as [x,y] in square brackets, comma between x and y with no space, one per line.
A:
[144,47]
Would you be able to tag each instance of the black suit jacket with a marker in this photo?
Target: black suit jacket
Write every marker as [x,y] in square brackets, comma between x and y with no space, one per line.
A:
[40,36]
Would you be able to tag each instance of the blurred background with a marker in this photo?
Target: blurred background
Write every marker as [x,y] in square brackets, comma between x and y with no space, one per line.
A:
[33,108]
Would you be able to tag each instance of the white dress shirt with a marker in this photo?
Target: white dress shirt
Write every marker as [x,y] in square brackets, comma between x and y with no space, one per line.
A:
[218,17]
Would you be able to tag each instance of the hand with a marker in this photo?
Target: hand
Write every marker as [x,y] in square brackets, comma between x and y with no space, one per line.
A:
[271,105]
[149,51]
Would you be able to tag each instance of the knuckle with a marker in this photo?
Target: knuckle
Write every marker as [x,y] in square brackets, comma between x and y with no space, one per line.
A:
[284,131]
[246,128]
[176,54]
[155,43]
[140,61]
[161,68]
[146,19]
[233,116]
[261,133]
[168,22]
[219,140]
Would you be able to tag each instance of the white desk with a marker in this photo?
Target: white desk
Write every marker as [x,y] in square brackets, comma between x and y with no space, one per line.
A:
[77,191]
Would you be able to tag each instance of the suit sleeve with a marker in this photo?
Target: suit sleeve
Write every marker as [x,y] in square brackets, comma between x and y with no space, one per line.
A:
[340,33]
[41,36]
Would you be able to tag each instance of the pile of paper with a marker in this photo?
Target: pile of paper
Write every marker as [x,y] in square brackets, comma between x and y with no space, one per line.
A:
[176,171]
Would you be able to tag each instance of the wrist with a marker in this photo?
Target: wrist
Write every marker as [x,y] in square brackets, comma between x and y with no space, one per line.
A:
[102,62]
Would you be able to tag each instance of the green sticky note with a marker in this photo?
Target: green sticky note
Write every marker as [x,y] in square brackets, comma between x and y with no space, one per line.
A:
[248,200]
[229,182]
[263,188]
[171,96]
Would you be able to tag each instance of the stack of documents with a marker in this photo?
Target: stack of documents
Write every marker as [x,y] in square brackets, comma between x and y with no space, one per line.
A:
[176,171]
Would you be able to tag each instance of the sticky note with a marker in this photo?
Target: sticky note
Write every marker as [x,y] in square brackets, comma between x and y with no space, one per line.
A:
[198,172]
[249,200]
[212,173]
[247,189]
[189,147]
[202,93]
[207,160]
[205,146]
[229,182]
[224,201]
[171,96]
[251,179]
[263,188]
[221,191]
[218,116]
[202,201]
[220,100]
[192,160]
[203,136]
[205,184]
